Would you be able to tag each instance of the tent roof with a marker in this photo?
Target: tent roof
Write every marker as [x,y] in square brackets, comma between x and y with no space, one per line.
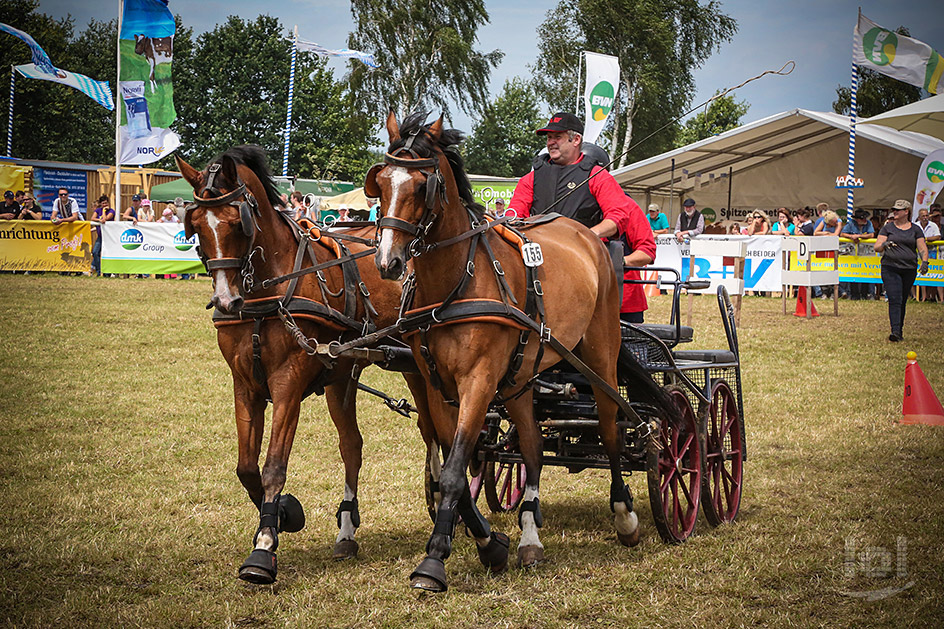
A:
[924,116]
[758,143]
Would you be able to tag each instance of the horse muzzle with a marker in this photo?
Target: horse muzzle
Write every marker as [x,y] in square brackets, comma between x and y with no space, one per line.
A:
[391,267]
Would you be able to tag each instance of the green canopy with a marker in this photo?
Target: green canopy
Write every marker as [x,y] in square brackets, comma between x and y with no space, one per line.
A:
[167,192]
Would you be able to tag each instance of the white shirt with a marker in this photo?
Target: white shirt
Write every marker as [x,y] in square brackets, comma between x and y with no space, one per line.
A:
[931,231]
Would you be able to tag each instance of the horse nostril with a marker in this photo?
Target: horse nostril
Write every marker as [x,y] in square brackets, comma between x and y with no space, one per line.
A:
[394,269]
[236,305]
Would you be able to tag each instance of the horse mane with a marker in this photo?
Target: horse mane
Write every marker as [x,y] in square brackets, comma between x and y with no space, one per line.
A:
[448,144]
[253,157]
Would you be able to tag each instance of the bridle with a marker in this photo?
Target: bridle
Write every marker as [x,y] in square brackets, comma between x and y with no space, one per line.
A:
[240,198]
[435,191]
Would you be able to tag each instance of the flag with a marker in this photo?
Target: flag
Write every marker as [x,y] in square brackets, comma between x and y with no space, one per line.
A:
[600,92]
[902,58]
[930,182]
[365,58]
[146,45]
[42,68]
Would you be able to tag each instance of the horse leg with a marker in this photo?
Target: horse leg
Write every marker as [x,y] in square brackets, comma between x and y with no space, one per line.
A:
[430,575]
[530,548]
[261,566]
[427,429]
[341,398]
[250,421]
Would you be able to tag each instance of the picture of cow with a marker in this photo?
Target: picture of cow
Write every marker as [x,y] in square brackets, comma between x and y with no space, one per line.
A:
[156,50]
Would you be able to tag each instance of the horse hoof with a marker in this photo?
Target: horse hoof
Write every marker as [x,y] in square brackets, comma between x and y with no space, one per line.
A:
[494,556]
[345,549]
[530,556]
[630,540]
[291,514]
[429,576]
[259,568]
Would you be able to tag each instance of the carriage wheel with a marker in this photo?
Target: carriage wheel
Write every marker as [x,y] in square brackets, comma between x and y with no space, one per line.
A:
[675,472]
[475,487]
[504,482]
[724,457]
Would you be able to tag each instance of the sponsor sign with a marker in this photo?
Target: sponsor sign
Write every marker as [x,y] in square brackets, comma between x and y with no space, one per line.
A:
[46,184]
[600,92]
[42,246]
[148,248]
[486,193]
[930,182]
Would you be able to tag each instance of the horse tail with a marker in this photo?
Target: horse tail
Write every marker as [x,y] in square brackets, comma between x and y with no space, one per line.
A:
[640,387]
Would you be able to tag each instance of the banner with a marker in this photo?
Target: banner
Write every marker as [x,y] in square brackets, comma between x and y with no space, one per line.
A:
[902,58]
[42,68]
[46,184]
[148,248]
[147,47]
[930,182]
[602,82]
[487,193]
[42,246]
[365,58]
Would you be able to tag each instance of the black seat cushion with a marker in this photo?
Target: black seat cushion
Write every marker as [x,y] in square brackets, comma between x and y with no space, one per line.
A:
[706,355]
[666,332]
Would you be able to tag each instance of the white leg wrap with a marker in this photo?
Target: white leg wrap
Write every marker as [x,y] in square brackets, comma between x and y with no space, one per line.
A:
[347,529]
[529,530]
[625,520]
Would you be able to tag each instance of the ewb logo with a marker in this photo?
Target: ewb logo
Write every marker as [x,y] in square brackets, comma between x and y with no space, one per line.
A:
[875,562]
[601,100]
[935,172]
[879,46]
[182,243]
[131,239]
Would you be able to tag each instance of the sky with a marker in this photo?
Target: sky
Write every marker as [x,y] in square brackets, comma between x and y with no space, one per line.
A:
[815,34]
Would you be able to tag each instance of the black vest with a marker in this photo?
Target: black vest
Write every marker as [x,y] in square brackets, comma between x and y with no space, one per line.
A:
[551,182]
[688,224]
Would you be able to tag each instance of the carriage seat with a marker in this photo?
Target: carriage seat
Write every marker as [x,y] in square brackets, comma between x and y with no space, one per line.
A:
[705,356]
[665,332]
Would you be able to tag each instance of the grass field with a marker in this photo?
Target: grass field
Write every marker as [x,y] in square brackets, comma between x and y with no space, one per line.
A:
[121,508]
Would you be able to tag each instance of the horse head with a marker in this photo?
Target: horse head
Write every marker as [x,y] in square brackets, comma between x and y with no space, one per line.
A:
[224,213]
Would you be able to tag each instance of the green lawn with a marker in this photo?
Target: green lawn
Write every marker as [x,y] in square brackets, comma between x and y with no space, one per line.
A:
[121,506]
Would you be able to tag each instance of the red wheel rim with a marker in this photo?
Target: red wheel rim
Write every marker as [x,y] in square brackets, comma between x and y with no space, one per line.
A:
[510,479]
[680,470]
[724,456]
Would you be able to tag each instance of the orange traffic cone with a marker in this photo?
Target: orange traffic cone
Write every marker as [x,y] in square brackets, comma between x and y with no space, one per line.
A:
[801,304]
[920,405]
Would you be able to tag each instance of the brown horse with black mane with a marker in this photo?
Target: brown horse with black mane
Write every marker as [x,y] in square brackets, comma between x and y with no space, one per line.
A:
[428,213]
[267,333]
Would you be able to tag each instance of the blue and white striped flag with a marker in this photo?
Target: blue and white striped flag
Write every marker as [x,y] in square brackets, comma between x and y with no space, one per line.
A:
[365,58]
[42,68]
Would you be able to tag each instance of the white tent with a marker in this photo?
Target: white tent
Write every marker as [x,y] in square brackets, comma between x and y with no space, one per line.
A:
[791,159]
[925,116]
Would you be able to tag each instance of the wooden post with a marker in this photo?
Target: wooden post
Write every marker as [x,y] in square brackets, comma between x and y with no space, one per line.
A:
[836,287]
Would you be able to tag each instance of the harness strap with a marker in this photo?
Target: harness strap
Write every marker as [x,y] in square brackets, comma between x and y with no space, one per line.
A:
[258,370]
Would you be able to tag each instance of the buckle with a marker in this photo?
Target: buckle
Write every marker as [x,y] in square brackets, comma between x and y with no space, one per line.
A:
[538,289]
[364,291]
[498,268]
[470,268]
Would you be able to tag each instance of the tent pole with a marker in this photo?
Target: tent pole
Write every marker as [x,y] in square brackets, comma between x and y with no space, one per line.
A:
[730,177]
[579,65]
[671,188]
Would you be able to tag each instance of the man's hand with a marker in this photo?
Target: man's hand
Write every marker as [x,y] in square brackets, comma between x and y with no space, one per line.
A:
[680,236]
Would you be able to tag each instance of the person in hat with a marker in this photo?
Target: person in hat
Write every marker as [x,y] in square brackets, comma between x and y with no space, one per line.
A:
[658,221]
[690,222]
[855,230]
[10,208]
[566,183]
[499,206]
[169,215]
[900,242]
[131,214]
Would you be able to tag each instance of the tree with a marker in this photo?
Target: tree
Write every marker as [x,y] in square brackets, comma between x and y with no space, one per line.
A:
[659,45]
[723,113]
[503,143]
[426,54]
[233,90]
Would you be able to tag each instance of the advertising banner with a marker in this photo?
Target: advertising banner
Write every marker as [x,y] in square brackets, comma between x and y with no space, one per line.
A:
[148,248]
[486,193]
[930,182]
[146,91]
[902,58]
[42,246]
[600,92]
[46,184]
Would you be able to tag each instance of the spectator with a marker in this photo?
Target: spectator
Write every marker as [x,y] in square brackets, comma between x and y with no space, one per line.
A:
[65,209]
[658,220]
[931,231]
[830,225]
[145,212]
[168,215]
[934,216]
[855,230]
[499,207]
[803,224]
[759,224]
[102,214]
[10,208]
[19,196]
[690,222]
[29,212]
[821,209]
[297,199]
[900,242]
[131,214]
[784,226]
[344,214]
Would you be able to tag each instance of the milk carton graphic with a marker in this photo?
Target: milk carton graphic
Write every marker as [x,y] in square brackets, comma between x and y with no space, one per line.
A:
[139,120]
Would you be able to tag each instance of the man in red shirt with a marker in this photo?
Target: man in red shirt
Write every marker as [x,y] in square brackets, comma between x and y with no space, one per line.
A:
[559,184]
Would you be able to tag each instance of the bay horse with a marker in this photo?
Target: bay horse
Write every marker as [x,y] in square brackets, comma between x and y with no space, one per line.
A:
[244,239]
[426,212]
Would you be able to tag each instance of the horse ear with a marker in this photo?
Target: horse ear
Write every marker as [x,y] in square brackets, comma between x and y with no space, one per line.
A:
[191,174]
[228,170]
[393,129]
[435,129]
[371,188]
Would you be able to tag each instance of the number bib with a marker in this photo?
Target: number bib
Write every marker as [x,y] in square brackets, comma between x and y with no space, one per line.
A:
[532,255]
